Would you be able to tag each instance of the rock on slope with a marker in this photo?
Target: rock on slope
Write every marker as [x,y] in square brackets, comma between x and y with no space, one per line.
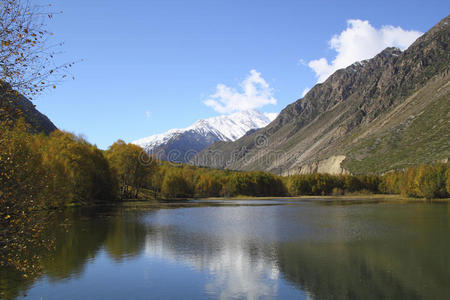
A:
[376,115]
[181,144]
[14,105]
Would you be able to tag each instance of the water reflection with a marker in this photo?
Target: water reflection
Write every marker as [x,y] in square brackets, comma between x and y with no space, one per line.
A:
[250,252]
[240,267]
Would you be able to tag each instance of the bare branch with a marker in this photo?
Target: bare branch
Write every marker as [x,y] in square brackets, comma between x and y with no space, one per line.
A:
[26,59]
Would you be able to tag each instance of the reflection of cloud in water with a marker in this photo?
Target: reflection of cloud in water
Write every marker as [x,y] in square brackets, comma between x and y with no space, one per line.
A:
[240,266]
[239,270]
[236,274]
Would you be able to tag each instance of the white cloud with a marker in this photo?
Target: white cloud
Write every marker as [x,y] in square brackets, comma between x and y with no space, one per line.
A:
[305,91]
[255,93]
[148,114]
[271,116]
[361,41]
[302,62]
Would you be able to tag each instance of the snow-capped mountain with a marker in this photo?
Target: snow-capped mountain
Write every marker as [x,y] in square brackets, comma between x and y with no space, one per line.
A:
[177,144]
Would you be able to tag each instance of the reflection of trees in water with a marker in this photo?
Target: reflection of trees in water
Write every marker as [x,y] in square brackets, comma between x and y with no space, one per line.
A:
[21,260]
[341,274]
[82,234]
[392,253]
[13,282]
[413,263]
[126,237]
[79,234]
[399,268]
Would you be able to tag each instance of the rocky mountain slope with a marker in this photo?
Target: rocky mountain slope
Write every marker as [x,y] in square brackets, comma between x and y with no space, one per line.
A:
[14,105]
[181,144]
[384,113]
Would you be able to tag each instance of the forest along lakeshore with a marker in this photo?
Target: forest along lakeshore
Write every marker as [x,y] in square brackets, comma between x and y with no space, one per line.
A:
[79,221]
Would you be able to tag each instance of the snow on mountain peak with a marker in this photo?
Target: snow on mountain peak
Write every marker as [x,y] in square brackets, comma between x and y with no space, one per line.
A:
[225,128]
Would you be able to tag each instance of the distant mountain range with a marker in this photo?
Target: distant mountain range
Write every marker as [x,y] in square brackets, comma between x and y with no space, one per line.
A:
[181,144]
[385,113]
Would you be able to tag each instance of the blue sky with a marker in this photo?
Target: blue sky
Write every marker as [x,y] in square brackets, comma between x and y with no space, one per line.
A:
[148,66]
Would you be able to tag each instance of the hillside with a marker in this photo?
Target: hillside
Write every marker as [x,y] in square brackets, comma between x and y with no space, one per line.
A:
[384,113]
[14,105]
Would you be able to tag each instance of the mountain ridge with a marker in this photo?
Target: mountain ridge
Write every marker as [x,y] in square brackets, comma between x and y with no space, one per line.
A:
[177,144]
[337,116]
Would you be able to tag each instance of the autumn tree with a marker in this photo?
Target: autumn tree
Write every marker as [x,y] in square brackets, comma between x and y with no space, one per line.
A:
[351,183]
[22,180]
[77,170]
[447,175]
[21,173]
[408,185]
[27,59]
[133,167]
[298,185]
[174,185]
[390,183]
[208,185]
[431,181]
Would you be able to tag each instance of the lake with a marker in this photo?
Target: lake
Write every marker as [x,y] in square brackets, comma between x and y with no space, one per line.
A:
[247,249]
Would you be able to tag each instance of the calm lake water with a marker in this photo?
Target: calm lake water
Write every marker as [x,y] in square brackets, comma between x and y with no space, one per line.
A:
[260,249]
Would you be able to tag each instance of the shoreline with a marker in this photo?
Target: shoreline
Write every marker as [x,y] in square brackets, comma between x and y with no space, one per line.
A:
[228,201]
